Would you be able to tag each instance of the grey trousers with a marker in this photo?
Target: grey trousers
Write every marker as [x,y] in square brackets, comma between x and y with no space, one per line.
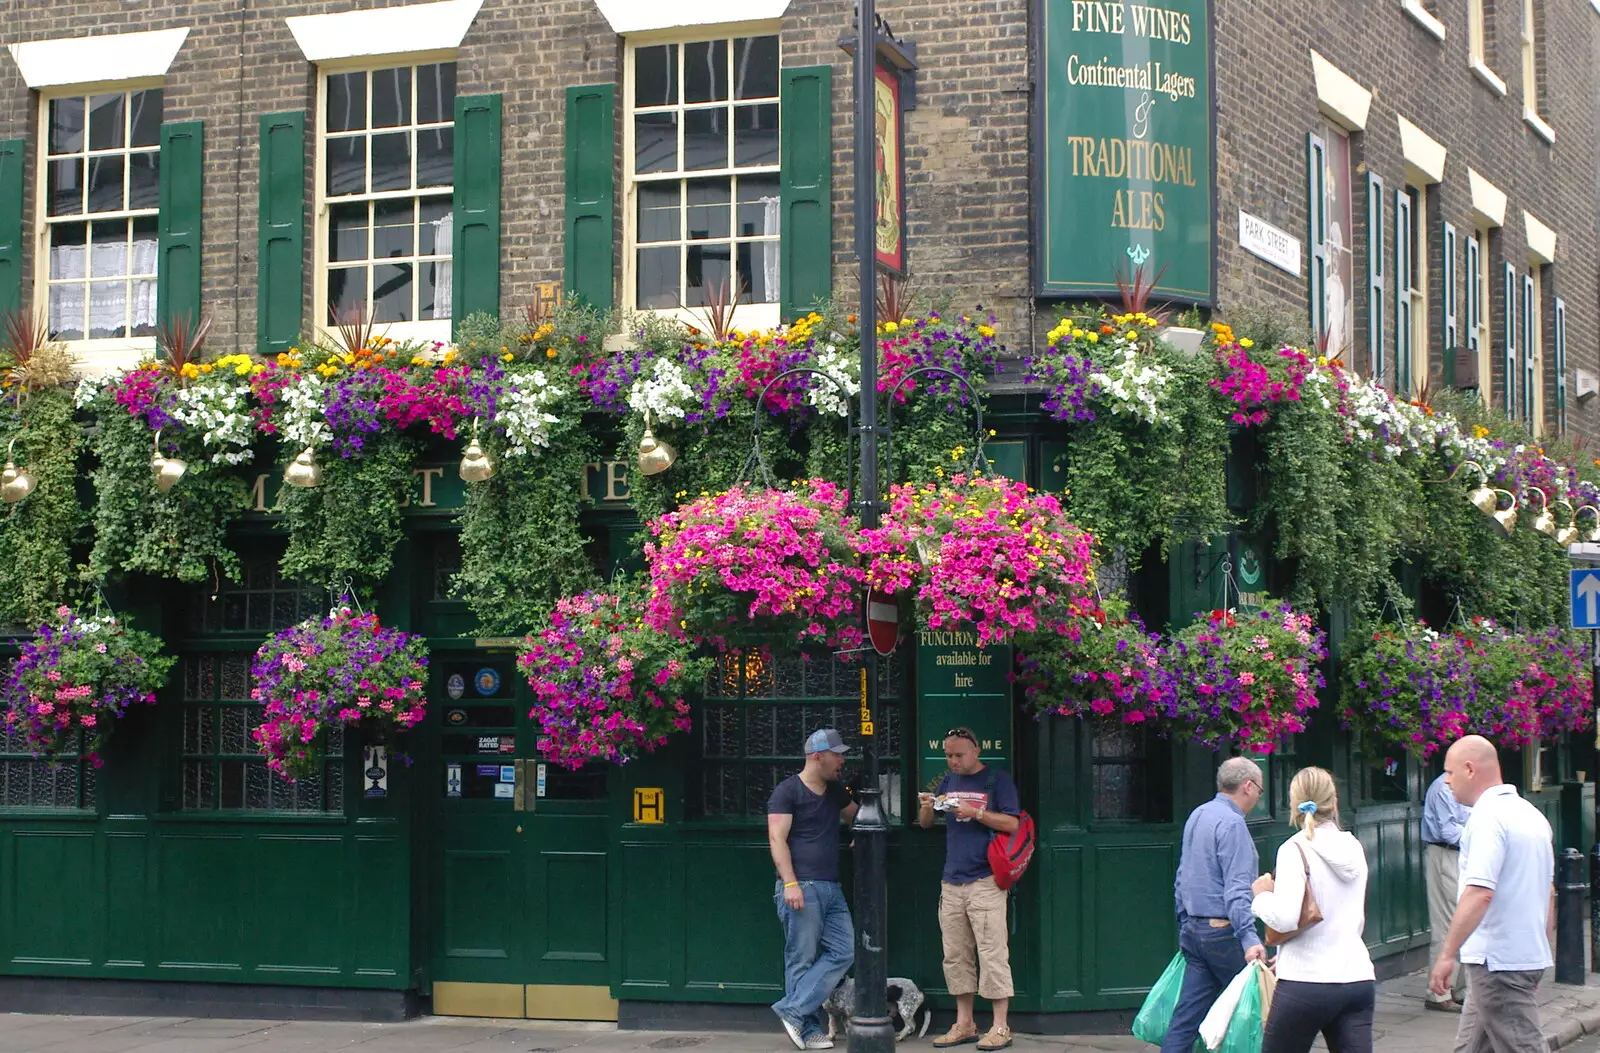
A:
[1441,873]
[1500,1015]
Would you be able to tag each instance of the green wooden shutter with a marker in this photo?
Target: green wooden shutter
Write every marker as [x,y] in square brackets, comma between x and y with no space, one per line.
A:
[475,234]
[280,260]
[805,267]
[13,158]
[591,157]
[182,182]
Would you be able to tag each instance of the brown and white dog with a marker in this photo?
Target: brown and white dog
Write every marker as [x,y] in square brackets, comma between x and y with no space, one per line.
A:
[906,1010]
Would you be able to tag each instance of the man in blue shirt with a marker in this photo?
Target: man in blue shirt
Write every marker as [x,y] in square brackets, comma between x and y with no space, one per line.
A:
[977,802]
[1216,931]
[1443,819]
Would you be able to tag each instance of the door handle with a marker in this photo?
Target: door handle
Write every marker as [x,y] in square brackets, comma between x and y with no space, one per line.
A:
[517,803]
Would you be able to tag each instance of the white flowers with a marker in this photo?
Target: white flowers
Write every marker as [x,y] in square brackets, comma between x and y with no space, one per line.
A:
[1133,385]
[664,391]
[303,422]
[845,370]
[217,412]
[523,411]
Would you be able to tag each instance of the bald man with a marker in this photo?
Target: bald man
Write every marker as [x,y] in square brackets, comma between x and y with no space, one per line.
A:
[1504,921]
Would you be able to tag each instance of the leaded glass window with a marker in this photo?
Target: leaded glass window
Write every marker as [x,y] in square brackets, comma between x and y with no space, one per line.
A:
[757,712]
[27,781]
[262,601]
[1131,770]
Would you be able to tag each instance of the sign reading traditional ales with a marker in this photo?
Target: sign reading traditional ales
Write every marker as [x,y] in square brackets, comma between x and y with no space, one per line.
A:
[1126,147]
[961,685]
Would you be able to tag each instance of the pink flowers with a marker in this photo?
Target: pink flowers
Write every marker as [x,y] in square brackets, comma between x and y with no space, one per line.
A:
[780,561]
[1252,386]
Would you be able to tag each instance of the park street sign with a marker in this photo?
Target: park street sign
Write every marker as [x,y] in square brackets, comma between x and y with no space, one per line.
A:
[1585,597]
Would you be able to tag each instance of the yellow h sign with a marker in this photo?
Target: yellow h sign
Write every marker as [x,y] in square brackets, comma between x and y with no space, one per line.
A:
[649,805]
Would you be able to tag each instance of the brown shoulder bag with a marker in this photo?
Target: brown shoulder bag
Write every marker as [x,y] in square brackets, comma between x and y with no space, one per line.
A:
[1310,913]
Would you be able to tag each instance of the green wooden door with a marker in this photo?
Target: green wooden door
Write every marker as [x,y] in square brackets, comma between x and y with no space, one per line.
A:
[519,868]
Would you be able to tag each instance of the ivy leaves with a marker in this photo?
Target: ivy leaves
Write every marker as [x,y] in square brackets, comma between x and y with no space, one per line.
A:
[37,534]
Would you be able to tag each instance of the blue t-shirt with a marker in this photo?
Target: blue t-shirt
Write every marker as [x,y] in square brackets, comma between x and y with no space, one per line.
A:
[966,841]
[814,834]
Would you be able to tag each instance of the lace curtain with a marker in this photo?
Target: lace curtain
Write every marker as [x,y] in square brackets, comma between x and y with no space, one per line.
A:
[109,309]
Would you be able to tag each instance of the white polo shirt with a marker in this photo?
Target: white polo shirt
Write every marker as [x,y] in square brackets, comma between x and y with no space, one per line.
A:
[1506,846]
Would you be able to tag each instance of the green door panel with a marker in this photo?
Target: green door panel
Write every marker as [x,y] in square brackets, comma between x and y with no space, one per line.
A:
[572,936]
[49,923]
[739,900]
[479,895]
[1062,876]
[645,955]
[1130,947]
[202,914]
[127,855]
[283,949]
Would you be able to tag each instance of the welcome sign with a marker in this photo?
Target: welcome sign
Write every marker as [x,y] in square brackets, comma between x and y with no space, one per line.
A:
[1125,155]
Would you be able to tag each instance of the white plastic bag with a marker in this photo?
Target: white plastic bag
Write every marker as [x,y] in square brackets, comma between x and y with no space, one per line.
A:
[1214,1029]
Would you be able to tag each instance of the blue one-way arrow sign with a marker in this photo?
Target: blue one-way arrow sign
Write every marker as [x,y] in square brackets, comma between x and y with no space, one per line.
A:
[1586,598]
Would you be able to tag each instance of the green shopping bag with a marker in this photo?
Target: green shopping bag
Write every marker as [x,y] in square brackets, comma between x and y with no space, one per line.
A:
[1248,1025]
[1156,1013]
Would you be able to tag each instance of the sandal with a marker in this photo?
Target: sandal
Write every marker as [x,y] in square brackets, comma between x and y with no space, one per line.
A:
[999,1037]
[956,1036]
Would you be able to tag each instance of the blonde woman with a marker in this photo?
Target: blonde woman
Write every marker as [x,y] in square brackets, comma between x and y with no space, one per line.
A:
[1325,980]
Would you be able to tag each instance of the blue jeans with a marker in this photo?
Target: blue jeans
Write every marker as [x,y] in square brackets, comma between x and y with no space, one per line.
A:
[1213,958]
[818,949]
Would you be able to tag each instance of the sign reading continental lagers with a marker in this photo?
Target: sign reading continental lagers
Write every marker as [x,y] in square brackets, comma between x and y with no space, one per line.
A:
[1126,162]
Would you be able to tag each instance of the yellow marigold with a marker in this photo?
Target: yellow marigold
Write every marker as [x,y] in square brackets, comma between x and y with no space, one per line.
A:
[507,357]
[986,330]
[1247,342]
[189,370]
[890,327]
[550,352]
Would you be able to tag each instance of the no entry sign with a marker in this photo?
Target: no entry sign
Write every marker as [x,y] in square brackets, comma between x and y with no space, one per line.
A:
[883,621]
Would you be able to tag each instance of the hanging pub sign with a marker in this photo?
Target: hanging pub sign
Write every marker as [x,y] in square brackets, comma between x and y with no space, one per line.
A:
[889,236]
[1125,160]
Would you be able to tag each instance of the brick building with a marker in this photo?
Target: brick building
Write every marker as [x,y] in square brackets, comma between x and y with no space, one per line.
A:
[1417,178]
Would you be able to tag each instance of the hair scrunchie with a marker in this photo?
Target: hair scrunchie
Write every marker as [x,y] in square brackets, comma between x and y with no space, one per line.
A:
[1307,808]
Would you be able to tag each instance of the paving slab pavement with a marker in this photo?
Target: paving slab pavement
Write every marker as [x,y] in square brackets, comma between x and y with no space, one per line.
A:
[1400,1025]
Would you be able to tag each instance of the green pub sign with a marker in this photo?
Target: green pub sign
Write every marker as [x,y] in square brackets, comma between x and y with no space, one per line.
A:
[1125,157]
[960,684]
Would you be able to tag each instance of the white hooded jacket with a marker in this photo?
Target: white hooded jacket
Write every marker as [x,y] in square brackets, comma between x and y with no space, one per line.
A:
[1331,951]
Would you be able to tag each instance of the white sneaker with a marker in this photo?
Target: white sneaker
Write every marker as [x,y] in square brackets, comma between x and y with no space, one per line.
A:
[793,1031]
[820,1042]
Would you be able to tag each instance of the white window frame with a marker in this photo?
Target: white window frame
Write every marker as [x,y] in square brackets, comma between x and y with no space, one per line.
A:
[1477,309]
[1509,293]
[1560,338]
[747,316]
[1533,350]
[1317,234]
[1447,286]
[1530,74]
[94,356]
[418,329]
[1375,293]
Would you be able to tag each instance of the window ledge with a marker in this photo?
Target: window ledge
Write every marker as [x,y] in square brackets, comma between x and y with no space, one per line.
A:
[95,359]
[1420,15]
[1488,77]
[1540,128]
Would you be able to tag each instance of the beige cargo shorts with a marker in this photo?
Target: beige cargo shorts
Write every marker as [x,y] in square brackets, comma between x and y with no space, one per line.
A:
[972,921]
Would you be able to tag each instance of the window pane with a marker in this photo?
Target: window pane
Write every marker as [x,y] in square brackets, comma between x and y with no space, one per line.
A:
[391,161]
[107,121]
[393,226]
[659,218]
[391,292]
[431,276]
[709,215]
[108,248]
[658,277]
[347,292]
[436,93]
[755,135]
[655,75]
[347,232]
[108,310]
[347,166]
[69,250]
[66,126]
[758,272]
[145,235]
[144,307]
[66,311]
[146,114]
[391,97]
[347,102]
[707,273]
[755,68]
[655,142]
[705,71]
[435,156]
[758,205]
[144,180]
[705,139]
[66,186]
[435,228]
[105,184]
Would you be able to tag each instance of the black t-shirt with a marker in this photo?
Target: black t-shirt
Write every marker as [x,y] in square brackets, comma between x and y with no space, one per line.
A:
[814,835]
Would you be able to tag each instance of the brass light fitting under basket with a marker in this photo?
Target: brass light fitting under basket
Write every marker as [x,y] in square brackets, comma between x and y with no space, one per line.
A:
[475,464]
[15,483]
[655,455]
[166,471]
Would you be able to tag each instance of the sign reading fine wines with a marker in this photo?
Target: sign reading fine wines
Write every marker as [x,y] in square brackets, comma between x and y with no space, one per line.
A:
[1126,147]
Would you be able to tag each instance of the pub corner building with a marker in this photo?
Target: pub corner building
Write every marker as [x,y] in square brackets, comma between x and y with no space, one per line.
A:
[1414,185]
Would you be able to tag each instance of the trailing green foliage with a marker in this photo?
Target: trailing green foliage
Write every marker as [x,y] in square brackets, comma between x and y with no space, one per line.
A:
[350,525]
[37,534]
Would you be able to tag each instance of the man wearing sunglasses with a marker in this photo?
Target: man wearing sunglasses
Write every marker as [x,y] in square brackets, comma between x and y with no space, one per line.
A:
[1216,929]
[977,802]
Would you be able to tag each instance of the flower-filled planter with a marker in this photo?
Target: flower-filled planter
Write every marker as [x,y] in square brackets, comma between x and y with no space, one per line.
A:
[343,669]
[1248,678]
[80,674]
[608,686]
[1408,685]
[1530,686]
[981,554]
[1104,666]
[749,562]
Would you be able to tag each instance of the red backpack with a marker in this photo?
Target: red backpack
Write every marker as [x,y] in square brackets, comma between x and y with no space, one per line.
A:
[1010,854]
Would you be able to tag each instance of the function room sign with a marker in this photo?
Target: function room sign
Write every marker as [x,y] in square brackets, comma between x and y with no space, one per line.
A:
[1125,158]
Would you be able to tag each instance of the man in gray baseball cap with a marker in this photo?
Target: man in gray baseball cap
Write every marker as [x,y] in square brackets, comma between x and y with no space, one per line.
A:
[803,818]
